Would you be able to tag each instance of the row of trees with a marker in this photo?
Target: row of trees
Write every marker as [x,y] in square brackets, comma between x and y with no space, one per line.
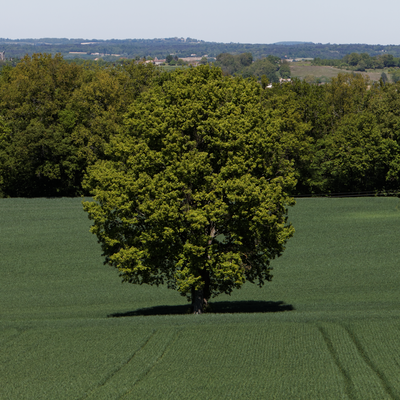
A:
[361,62]
[57,117]
[353,136]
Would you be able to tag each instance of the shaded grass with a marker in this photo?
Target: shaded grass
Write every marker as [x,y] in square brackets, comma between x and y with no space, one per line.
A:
[218,307]
[337,337]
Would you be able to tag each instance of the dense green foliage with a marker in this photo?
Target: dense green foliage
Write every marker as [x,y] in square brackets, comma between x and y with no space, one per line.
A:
[242,64]
[56,118]
[339,273]
[361,62]
[353,141]
[195,190]
[231,64]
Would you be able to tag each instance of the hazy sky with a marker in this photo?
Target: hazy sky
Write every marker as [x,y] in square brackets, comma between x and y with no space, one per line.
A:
[245,21]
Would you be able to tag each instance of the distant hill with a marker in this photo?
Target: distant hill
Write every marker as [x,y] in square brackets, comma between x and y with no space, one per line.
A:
[291,43]
[182,47]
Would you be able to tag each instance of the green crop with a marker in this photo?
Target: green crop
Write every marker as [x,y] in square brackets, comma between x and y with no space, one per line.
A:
[326,327]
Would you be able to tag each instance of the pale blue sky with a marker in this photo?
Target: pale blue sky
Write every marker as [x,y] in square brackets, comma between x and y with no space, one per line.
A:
[245,21]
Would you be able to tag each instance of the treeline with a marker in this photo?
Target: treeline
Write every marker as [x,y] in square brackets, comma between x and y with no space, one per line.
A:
[181,47]
[349,139]
[361,62]
[57,118]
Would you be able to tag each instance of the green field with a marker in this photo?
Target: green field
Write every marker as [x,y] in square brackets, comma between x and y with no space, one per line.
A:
[326,327]
[302,69]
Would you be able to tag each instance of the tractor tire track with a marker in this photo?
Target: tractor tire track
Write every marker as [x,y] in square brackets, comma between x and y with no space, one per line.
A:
[170,343]
[348,383]
[107,378]
[376,370]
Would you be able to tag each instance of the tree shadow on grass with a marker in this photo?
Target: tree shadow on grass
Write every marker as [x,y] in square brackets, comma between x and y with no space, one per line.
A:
[220,307]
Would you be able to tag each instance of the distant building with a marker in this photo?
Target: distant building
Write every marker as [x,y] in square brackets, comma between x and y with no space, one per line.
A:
[303,59]
[2,55]
[156,61]
[192,60]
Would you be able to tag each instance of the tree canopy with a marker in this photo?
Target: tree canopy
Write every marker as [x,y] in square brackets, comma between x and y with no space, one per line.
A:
[195,190]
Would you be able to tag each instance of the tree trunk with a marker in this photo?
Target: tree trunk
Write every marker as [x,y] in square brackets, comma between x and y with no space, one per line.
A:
[200,296]
[197,301]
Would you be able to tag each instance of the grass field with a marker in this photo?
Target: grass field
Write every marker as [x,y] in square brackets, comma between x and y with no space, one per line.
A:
[301,70]
[326,327]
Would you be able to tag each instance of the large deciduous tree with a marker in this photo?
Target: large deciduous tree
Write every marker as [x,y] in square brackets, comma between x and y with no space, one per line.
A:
[195,191]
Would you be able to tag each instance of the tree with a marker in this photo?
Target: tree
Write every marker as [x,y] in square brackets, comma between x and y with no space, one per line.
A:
[352,59]
[361,66]
[232,64]
[260,68]
[367,60]
[195,192]
[378,63]
[273,59]
[264,81]
[346,94]
[245,59]
[284,70]
[228,63]
[389,60]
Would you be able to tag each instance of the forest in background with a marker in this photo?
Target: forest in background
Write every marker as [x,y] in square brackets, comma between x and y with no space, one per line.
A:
[184,47]
[57,118]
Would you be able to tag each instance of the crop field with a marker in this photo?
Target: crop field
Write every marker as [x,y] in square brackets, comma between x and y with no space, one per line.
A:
[326,327]
[301,70]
